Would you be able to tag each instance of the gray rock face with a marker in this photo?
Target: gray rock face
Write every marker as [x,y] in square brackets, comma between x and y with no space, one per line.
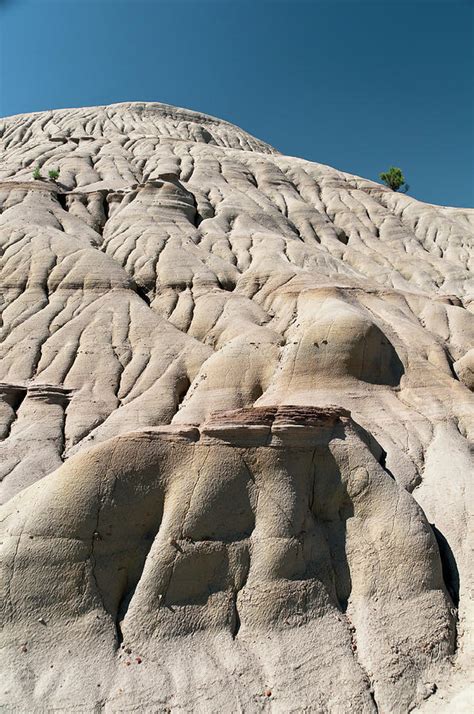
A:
[235,416]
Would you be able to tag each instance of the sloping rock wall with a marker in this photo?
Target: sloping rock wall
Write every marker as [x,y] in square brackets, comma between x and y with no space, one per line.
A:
[235,417]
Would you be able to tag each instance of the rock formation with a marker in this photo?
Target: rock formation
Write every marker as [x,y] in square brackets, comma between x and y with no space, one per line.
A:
[235,416]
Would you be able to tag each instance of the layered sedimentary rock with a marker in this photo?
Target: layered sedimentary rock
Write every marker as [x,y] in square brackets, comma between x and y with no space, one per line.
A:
[235,416]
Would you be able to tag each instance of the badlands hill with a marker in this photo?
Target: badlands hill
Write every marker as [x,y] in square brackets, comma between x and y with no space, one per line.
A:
[235,417]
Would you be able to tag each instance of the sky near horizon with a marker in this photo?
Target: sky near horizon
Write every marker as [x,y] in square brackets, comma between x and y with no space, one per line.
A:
[356,84]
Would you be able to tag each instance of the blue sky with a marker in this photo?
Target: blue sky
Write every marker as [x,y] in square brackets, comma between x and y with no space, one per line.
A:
[356,84]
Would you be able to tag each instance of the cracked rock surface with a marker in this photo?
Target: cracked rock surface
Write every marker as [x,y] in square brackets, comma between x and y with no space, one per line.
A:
[235,416]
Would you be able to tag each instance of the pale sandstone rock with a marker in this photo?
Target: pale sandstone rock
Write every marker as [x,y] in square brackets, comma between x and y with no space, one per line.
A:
[271,557]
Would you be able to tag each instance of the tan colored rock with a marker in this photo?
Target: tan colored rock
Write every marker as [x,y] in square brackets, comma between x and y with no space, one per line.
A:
[270,533]
[464,369]
[200,559]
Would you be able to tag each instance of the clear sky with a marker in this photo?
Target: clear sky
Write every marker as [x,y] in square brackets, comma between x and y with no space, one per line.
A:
[356,84]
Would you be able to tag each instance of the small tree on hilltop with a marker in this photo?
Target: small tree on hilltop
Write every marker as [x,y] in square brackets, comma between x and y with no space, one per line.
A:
[53,174]
[394,179]
[36,173]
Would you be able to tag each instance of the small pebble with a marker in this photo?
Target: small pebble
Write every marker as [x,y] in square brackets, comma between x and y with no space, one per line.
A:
[268,692]
[139,660]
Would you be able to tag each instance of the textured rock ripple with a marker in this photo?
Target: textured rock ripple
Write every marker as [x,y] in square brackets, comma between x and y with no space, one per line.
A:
[235,415]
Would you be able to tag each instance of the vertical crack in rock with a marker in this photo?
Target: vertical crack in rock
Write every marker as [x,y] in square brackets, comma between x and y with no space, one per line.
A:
[129,592]
[61,198]
[183,387]
[141,292]
[450,568]
[13,396]
[235,619]
[450,576]
[235,622]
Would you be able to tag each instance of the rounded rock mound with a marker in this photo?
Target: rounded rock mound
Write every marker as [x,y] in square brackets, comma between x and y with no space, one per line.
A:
[268,530]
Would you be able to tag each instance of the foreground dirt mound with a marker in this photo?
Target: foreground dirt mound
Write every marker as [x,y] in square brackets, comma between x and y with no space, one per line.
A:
[235,416]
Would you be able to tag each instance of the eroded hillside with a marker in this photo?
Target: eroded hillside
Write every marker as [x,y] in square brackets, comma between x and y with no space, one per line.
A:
[251,376]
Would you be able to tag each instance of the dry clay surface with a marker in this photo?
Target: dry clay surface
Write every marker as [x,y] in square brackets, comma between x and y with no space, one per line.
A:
[235,415]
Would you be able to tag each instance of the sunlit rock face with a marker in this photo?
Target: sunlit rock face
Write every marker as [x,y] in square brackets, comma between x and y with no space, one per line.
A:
[235,414]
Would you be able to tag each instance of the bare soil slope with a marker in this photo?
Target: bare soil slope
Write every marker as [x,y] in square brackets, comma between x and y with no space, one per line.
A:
[235,415]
